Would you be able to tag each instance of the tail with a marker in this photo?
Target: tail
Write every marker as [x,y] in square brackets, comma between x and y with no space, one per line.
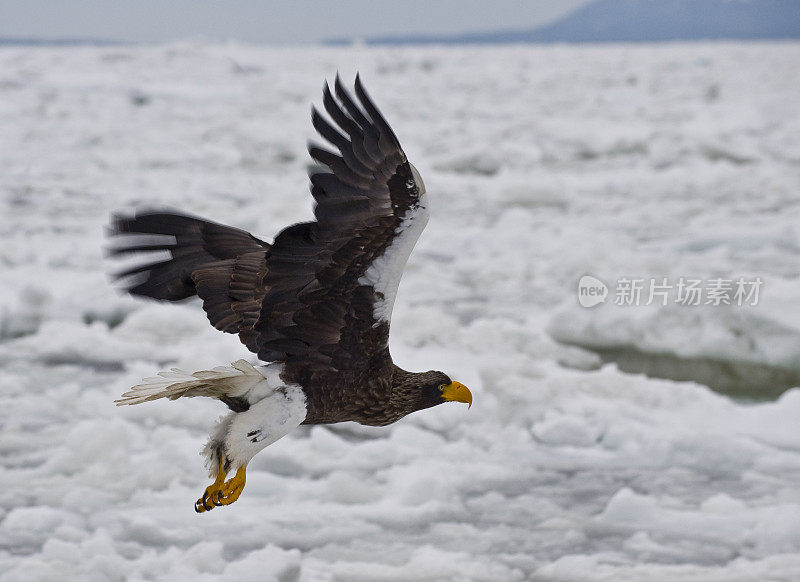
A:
[227,383]
[194,244]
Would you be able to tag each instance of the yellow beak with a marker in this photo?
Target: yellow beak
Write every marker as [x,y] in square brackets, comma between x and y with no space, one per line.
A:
[457,392]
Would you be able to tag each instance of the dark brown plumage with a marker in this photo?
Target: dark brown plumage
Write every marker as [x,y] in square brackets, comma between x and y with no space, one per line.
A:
[318,299]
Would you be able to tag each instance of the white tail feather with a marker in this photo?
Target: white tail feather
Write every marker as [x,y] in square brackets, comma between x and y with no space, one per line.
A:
[234,380]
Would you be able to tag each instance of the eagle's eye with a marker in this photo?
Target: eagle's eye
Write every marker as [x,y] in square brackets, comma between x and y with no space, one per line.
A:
[441,387]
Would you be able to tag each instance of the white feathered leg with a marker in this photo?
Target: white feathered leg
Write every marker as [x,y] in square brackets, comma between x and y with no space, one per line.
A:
[271,409]
[264,423]
[215,447]
[240,436]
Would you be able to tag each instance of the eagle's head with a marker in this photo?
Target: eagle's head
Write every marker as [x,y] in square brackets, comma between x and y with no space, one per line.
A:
[437,388]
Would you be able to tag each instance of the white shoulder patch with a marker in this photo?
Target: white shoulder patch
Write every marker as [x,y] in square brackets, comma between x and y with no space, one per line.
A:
[385,272]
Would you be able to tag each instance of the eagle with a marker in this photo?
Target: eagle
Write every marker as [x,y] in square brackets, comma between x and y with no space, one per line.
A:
[314,305]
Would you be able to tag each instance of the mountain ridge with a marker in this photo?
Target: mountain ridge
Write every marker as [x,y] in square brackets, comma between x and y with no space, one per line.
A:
[636,21]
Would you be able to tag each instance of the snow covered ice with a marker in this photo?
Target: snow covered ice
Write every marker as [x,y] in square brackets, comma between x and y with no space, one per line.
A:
[543,164]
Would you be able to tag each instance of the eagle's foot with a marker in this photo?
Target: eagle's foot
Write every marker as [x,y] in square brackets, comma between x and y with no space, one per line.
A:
[231,489]
[221,492]
[206,502]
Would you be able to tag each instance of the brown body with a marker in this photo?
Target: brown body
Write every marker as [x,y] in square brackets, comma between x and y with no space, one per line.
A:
[314,300]
[372,399]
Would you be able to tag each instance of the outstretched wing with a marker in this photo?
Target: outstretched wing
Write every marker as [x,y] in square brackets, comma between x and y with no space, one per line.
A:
[224,266]
[330,284]
[322,293]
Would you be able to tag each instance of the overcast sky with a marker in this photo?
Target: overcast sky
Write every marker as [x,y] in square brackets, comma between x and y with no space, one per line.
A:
[264,21]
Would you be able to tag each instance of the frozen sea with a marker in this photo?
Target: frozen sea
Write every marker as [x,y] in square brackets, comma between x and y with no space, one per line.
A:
[543,164]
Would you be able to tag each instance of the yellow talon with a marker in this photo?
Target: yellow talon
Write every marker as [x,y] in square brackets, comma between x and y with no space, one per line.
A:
[232,489]
[221,492]
[206,502]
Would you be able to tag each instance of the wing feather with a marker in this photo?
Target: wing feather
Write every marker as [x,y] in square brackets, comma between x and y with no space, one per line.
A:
[319,297]
[223,265]
[320,305]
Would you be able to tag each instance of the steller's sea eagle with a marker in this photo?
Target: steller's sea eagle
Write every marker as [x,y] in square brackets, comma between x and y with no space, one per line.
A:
[314,305]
